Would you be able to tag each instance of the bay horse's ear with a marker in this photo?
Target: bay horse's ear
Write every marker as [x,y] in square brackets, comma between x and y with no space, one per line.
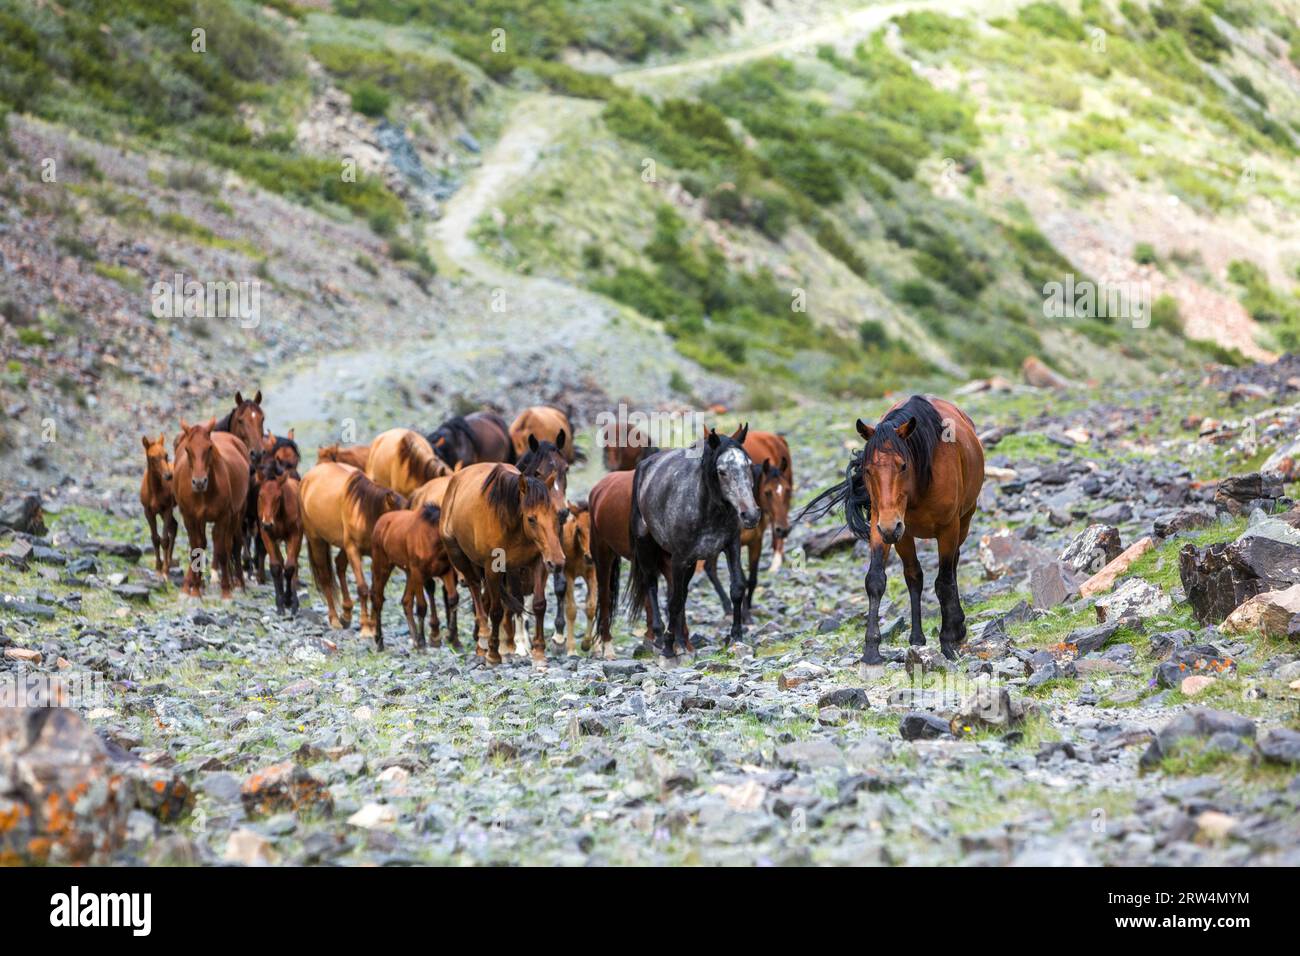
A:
[239,399]
[532,442]
[739,434]
[559,440]
[144,440]
[290,435]
[704,430]
[257,399]
[865,430]
[905,429]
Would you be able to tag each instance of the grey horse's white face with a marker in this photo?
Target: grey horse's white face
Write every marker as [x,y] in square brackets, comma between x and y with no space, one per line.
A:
[737,484]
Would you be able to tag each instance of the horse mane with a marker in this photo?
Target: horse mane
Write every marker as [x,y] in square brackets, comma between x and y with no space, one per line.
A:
[431,514]
[918,447]
[457,426]
[531,459]
[501,487]
[370,498]
[411,454]
[223,424]
[283,442]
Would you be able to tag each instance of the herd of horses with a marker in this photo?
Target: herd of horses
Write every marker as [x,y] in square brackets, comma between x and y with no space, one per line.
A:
[483,504]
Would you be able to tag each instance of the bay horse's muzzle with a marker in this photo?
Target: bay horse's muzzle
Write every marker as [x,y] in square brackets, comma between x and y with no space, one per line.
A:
[891,535]
[199,485]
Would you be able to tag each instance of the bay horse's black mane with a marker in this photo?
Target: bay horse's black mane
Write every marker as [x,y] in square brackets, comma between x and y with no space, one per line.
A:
[501,487]
[533,458]
[918,447]
[282,442]
[917,450]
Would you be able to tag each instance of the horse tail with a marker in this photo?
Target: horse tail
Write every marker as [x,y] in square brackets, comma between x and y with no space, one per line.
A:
[851,493]
[637,588]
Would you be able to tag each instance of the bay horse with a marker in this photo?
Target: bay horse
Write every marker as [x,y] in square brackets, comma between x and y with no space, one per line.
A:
[158,501]
[575,539]
[689,504]
[773,448]
[496,525]
[610,505]
[545,459]
[279,518]
[545,423]
[354,455]
[210,482]
[284,450]
[918,476]
[472,439]
[245,421]
[402,459]
[411,540]
[772,493]
[340,506]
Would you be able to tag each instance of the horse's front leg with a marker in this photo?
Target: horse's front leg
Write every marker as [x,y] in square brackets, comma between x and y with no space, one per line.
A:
[562,585]
[952,630]
[737,575]
[751,582]
[680,583]
[875,585]
[156,538]
[539,612]
[915,579]
[169,541]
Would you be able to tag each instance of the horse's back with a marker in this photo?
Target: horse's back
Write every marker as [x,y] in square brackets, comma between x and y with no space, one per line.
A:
[321,498]
[430,493]
[546,423]
[465,511]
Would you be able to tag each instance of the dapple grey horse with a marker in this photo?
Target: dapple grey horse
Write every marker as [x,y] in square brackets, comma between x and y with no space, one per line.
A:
[688,505]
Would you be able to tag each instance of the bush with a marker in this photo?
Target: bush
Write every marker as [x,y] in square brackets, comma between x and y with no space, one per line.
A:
[1145,254]
[1165,315]
[1051,20]
[369,99]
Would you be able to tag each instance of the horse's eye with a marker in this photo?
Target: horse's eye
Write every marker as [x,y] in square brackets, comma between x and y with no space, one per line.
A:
[903,467]
[532,520]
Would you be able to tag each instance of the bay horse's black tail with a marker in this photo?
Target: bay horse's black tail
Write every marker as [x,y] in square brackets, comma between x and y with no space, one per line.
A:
[851,493]
[639,576]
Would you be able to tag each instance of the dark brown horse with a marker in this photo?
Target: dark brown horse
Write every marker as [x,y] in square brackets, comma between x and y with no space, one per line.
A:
[918,476]
[158,501]
[279,517]
[210,482]
[411,540]
[623,446]
[472,439]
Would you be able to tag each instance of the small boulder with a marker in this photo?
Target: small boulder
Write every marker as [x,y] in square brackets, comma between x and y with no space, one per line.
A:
[23,513]
[920,725]
[1134,598]
[1197,723]
[1092,549]
[283,787]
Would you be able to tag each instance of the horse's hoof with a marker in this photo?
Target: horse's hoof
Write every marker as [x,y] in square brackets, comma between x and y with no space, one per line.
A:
[608,651]
[950,651]
[558,638]
[493,658]
[870,671]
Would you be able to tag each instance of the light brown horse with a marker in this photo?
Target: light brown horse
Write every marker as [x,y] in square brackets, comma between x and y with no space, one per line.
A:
[609,504]
[354,455]
[545,423]
[210,482]
[497,524]
[412,541]
[918,476]
[401,459]
[773,448]
[575,538]
[279,518]
[430,493]
[158,501]
[340,506]
[772,493]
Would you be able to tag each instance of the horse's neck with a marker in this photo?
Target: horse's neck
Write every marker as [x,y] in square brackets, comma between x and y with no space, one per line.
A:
[158,489]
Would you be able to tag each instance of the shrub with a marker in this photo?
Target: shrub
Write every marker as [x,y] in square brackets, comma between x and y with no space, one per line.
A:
[369,99]
[1051,20]
[1145,254]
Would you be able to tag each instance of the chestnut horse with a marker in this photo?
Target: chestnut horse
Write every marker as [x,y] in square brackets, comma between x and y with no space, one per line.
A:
[545,460]
[624,445]
[354,455]
[473,439]
[430,493]
[158,501]
[769,446]
[412,541]
[210,482]
[279,518]
[575,539]
[772,493]
[918,476]
[610,505]
[545,423]
[340,506]
[497,524]
[401,459]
